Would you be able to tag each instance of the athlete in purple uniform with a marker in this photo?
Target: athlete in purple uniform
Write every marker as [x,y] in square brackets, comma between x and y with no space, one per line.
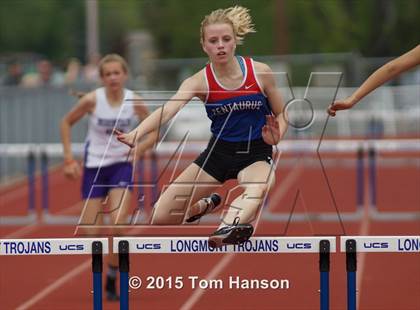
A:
[107,167]
[246,111]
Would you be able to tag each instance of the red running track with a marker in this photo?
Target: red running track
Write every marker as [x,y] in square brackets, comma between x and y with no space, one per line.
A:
[385,281]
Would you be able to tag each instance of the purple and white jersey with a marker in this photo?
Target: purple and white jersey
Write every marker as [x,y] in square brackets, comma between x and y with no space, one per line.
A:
[102,148]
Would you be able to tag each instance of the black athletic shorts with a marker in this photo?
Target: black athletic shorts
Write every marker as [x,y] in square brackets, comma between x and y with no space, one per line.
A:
[223,160]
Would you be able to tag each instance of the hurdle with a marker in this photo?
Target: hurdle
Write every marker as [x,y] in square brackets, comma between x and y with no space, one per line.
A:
[351,245]
[45,152]
[125,246]
[34,153]
[66,246]
[31,216]
[306,147]
[407,145]
[366,152]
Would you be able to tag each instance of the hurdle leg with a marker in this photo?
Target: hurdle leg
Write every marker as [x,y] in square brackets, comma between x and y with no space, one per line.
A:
[141,179]
[124,265]
[360,178]
[97,274]
[45,185]
[372,176]
[351,266]
[154,178]
[31,181]
[324,269]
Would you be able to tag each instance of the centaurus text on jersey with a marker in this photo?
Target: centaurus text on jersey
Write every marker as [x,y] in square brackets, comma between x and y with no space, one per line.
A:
[239,105]
[237,114]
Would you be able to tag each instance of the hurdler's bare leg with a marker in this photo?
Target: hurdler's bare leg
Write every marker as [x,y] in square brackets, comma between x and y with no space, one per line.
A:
[191,185]
[256,180]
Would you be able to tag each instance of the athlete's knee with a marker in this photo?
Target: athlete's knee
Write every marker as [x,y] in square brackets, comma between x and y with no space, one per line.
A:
[256,190]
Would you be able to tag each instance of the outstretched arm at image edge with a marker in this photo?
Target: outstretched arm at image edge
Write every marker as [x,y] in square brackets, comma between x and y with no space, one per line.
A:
[385,73]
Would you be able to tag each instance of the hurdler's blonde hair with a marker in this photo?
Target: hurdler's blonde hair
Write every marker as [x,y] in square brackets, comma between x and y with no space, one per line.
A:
[237,16]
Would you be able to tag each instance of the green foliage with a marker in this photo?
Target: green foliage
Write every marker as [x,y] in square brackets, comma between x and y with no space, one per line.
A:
[56,28]
[374,27]
[176,27]
[116,19]
[48,27]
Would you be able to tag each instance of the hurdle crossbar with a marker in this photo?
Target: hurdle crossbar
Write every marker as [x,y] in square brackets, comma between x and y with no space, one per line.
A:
[191,245]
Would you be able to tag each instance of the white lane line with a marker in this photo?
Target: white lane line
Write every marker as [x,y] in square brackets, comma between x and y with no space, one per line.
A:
[17,189]
[58,283]
[55,285]
[193,299]
[284,186]
[361,257]
[13,194]
[290,178]
[23,231]
[216,270]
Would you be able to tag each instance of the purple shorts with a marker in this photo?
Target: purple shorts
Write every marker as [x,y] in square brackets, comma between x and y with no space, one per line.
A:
[97,182]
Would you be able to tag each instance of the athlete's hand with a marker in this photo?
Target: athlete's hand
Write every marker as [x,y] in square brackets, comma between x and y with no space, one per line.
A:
[126,138]
[271,131]
[72,169]
[337,105]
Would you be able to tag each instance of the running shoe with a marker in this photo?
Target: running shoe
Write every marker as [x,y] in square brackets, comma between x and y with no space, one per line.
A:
[232,234]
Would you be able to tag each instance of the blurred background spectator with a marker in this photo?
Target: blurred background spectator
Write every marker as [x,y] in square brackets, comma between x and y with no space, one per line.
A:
[74,74]
[13,75]
[90,70]
[162,48]
[44,76]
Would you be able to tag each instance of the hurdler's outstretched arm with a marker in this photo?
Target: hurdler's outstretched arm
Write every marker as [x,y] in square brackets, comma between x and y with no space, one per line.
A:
[160,116]
[385,73]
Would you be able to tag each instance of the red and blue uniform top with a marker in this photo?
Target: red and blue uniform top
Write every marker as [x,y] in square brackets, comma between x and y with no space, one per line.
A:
[237,115]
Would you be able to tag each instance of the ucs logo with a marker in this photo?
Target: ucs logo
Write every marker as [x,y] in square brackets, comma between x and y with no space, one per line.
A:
[299,245]
[149,246]
[376,245]
[72,247]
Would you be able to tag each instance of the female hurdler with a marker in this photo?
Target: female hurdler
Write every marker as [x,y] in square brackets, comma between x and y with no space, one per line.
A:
[246,110]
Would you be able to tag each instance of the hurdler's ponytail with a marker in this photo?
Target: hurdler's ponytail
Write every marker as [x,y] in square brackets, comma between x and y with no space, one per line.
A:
[238,17]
